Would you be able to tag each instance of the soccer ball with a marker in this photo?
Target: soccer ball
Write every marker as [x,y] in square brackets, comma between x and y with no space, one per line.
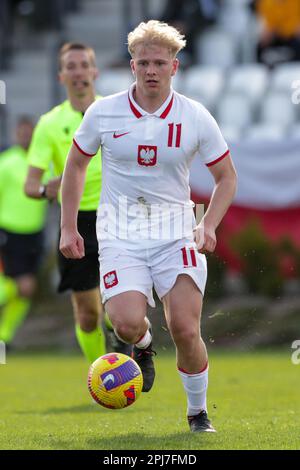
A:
[115,380]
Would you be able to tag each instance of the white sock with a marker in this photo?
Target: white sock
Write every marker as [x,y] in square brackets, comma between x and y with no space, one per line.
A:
[144,341]
[195,386]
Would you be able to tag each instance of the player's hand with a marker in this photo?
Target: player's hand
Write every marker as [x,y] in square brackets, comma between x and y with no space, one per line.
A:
[52,188]
[205,238]
[71,244]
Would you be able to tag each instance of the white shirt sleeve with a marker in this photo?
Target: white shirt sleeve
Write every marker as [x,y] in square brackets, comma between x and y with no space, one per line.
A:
[87,138]
[212,146]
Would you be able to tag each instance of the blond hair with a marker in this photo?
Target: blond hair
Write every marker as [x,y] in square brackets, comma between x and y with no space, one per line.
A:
[156,32]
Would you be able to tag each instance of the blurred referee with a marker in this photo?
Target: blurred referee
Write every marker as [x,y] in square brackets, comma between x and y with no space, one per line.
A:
[51,141]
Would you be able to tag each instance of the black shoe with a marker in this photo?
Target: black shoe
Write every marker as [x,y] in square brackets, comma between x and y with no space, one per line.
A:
[144,358]
[118,346]
[200,423]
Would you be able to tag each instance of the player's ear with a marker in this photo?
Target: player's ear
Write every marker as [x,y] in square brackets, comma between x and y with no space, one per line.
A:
[175,67]
[132,66]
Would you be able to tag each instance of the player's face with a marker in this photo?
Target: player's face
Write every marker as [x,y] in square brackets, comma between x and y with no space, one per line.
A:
[78,72]
[23,135]
[153,67]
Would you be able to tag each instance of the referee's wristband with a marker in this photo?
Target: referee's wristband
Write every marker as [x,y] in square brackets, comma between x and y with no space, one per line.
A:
[42,191]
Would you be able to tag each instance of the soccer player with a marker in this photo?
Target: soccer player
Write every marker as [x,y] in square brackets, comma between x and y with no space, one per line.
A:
[50,144]
[21,234]
[149,137]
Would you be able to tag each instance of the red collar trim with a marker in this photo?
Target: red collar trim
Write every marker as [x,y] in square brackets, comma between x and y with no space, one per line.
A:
[133,108]
[165,113]
[138,114]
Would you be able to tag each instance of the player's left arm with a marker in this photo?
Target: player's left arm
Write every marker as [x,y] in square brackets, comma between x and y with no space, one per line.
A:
[225,178]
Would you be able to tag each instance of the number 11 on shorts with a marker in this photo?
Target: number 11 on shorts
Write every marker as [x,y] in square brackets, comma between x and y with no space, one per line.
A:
[189,257]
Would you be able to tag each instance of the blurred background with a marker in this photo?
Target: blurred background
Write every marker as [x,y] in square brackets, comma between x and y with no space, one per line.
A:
[243,63]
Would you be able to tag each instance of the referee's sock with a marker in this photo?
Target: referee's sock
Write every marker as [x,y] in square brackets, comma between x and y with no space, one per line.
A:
[8,289]
[13,315]
[92,343]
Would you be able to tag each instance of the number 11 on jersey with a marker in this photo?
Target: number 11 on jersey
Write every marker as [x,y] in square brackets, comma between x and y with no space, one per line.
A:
[171,140]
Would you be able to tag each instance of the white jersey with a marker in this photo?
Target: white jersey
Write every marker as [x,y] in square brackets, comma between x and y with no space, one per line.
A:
[145,164]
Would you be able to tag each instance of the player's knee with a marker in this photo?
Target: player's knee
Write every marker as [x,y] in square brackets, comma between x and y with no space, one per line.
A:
[185,335]
[129,332]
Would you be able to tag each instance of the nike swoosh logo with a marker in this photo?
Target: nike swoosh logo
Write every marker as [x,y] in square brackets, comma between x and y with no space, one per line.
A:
[108,378]
[116,136]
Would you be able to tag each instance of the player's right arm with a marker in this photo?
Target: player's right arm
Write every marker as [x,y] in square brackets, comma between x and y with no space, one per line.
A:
[86,144]
[71,242]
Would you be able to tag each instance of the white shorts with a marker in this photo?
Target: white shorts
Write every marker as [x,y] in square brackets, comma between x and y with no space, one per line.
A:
[123,270]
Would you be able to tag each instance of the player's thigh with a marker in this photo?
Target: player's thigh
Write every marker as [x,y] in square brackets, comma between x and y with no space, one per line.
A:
[183,305]
[128,308]
[124,271]
[179,272]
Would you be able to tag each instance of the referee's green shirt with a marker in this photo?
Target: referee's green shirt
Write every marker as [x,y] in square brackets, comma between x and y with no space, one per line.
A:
[18,213]
[51,142]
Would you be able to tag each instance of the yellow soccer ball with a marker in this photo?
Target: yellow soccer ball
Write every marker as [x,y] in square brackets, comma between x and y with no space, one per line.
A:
[115,381]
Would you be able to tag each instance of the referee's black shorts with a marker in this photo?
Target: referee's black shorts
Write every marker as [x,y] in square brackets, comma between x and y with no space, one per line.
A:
[21,253]
[82,274]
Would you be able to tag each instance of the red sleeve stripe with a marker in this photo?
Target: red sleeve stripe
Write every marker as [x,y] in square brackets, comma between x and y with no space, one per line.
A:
[218,159]
[81,151]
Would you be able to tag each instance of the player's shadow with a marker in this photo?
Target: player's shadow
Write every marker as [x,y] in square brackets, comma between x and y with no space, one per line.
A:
[138,441]
[89,408]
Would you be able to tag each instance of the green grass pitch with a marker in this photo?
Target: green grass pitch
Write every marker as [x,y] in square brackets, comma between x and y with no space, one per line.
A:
[253,403]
